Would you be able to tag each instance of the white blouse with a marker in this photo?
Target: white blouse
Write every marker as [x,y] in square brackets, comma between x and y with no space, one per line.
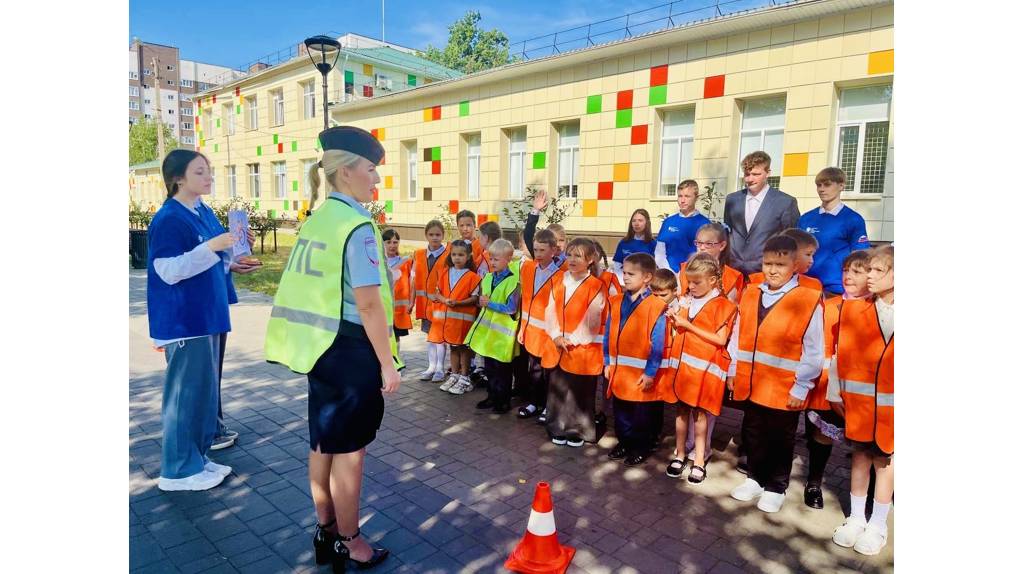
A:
[589,328]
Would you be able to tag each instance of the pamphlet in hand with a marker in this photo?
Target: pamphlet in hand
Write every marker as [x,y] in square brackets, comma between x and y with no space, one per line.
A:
[238,224]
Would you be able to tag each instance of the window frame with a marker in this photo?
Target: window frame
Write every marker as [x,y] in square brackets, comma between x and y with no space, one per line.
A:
[679,141]
[277,107]
[774,180]
[307,185]
[280,179]
[232,181]
[521,156]
[470,156]
[309,99]
[574,161]
[411,165]
[858,175]
[254,113]
[254,177]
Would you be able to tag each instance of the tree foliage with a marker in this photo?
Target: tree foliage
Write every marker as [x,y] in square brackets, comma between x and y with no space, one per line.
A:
[471,49]
[142,141]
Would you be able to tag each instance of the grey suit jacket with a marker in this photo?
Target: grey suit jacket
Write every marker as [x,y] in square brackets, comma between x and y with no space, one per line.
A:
[778,211]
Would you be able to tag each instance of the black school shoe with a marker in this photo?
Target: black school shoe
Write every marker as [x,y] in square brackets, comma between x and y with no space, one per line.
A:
[619,452]
[486,404]
[500,409]
[636,458]
[812,496]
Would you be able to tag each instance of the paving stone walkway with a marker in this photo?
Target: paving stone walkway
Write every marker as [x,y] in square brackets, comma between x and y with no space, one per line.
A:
[447,488]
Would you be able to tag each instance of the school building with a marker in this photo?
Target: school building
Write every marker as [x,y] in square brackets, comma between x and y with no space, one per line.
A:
[613,127]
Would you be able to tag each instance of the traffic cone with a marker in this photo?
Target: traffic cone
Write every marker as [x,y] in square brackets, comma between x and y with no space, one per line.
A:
[539,551]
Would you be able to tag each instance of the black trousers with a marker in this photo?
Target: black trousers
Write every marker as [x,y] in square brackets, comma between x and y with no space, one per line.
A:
[571,405]
[537,381]
[635,423]
[520,374]
[499,381]
[770,435]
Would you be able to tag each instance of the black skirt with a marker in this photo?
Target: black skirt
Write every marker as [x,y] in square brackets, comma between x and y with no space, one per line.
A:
[346,404]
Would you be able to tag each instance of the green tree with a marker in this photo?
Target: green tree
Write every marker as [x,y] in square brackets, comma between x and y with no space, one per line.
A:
[471,49]
[142,141]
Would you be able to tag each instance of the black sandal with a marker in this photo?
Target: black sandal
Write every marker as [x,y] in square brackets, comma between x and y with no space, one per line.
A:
[342,555]
[703,474]
[323,542]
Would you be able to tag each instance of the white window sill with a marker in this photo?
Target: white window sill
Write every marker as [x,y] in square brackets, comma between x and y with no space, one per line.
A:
[863,196]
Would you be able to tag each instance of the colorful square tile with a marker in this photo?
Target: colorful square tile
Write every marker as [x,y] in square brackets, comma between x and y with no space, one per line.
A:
[589,208]
[594,104]
[659,75]
[540,159]
[620,172]
[295,146]
[367,69]
[427,155]
[280,147]
[604,190]
[367,91]
[492,217]
[481,218]
[428,114]
[714,86]
[623,118]
[464,108]
[411,80]
[284,205]
[295,185]
[389,206]
[436,112]
[881,62]
[259,150]
[624,100]
[657,95]
[435,167]
[389,182]
[795,164]
[638,136]
[428,194]
[453,206]
[350,77]
[435,153]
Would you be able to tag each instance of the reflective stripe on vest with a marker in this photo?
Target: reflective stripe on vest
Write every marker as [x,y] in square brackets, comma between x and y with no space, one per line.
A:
[767,360]
[865,363]
[627,361]
[402,302]
[701,365]
[331,324]
[441,315]
[493,334]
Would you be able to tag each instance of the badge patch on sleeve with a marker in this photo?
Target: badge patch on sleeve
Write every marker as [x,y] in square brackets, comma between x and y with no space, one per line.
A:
[370,247]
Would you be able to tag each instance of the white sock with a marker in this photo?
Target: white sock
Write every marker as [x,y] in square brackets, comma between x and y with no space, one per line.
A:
[879,514]
[857,504]
[444,355]
[431,357]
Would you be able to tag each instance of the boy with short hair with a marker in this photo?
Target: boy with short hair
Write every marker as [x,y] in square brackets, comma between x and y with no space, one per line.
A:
[490,232]
[664,286]
[806,247]
[491,335]
[777,351]
[633,347]
[465,221]
[838,229]
[536,278]
[561,240]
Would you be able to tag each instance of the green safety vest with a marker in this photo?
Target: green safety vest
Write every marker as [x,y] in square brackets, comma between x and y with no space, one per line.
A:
[493,334]
[307,310]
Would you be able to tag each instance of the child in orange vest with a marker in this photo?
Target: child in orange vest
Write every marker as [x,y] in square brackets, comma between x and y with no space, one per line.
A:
[490,232]
[427,265]
[573,361]
[820,418]
[455,313]
[665,287]
[777,351]
[633,346]
[465,221]
[700,361]
[861,387]
[536,277]
[401,283]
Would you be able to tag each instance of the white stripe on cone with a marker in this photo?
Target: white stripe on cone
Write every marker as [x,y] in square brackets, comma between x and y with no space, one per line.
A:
[541,523]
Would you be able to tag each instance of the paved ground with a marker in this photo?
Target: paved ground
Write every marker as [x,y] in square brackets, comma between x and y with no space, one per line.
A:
[449,489]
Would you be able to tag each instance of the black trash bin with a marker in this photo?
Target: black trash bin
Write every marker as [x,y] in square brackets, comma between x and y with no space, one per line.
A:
[138,247]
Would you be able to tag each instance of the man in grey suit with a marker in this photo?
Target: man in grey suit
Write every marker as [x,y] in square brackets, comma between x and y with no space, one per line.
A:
[755,213]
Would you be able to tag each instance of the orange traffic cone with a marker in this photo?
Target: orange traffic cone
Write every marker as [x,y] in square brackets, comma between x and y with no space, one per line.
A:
[539,551]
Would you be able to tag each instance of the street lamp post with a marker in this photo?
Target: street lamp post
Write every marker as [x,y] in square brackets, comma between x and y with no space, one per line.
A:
[323,52]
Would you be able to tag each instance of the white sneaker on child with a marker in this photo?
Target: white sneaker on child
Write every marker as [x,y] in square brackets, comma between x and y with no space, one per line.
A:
[847,534]
[438,376]
[447,385]
[871,541]
[462,387]
[747,491]
[426,375]
[771,501]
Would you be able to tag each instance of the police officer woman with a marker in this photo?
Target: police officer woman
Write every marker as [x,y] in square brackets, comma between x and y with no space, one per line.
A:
[333,320]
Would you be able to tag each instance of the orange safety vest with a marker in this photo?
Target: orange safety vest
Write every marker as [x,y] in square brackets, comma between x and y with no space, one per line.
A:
[478,255]
[628,359]
[732,283]
[864,362]
[757,278]
[768,352]
[426,281]
[663,378]
[451,324]
[817,399]
[579,359]
[403,293]
[700,367]
[532,334]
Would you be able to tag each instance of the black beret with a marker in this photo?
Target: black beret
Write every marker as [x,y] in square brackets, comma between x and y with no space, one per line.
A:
[352,139]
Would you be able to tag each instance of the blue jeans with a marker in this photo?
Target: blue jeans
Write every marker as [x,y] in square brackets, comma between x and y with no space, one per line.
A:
[189,410]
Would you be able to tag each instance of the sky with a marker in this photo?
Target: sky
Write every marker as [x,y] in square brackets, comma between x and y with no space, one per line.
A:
[235,33]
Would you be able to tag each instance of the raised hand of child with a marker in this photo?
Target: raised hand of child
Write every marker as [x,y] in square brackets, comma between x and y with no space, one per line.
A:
[540,201]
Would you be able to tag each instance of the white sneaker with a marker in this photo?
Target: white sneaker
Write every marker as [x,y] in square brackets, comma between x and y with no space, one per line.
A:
[221,469]
[427,375]
[871,541]
[771,501]
[747,491]
[447,385]
[462,387]
[204,480]
[438,376]
[847,534]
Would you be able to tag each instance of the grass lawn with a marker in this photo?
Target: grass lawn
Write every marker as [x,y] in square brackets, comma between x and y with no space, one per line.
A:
[265,279]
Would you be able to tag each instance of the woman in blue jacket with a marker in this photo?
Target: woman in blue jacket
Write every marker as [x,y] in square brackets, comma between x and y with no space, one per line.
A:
[638,239]
[187,294]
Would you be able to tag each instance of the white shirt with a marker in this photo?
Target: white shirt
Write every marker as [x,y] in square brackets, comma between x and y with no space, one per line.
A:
[753,205]
[812,353]
[591,325]
[834,211]
[696,304]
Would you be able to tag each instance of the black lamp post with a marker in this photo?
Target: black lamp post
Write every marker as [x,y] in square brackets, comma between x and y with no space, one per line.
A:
[323,52]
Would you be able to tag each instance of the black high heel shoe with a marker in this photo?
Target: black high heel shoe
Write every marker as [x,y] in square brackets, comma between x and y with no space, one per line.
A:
[342,555]
[323,543]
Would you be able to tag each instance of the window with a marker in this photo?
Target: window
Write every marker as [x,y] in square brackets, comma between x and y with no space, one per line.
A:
[516,162]
[170,97]
[186,125]
[147,101]
[307,186]
[277,107]
[308,100]
[188,140]
[186,83]
[146,72]
[254,180]
[185,97]
[206,121]
[676,150]
[170,112]
[410,167]
[133,91]
[186,112]
[171,127]
[761,130]
[254,115]
[228,113]
[148,117]
[213,182]
[280,179]
[232,188]
[170,68]
[133,105]
[568,159]
[862,142]
[133,75]
[170,82]
[473,166]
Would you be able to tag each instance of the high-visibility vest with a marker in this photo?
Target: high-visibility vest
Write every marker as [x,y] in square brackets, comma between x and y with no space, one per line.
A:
[865,362]
[426,280]
[402,275]
[817,399]
[307,311]
[612,287]
[757,278]
[700,367]
[579,359]
[493,334]
[732,283]
[629,347]
[450,324]
[478,255]
[532,334]
[769,351]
